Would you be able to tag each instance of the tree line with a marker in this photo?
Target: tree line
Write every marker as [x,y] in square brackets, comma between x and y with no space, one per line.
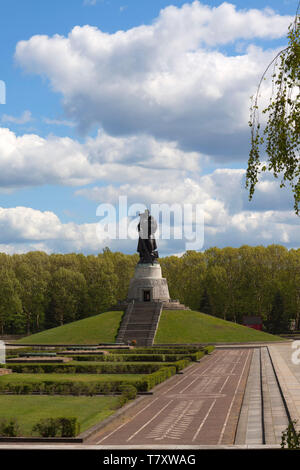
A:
[39,291]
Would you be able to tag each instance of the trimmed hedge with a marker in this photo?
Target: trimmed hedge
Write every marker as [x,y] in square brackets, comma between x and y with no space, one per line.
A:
[97,368]
[181,364]
[171,350]
[92,387]
[86,357]
[122,358]
[38,354]
[160,376]
[128,392]
[141,357]
[102,368]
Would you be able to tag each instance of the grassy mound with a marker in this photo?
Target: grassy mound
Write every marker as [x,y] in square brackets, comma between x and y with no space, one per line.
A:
[187,326]
[91,330]
[175,326]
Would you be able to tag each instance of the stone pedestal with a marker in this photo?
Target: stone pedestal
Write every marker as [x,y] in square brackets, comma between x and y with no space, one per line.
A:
[148,285]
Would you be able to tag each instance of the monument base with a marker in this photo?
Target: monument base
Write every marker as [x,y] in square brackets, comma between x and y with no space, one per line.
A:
[148,285]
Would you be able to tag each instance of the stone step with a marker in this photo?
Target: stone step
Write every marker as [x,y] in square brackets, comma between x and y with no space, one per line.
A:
[146,321]
[140,323]
[143,320]
[129,337]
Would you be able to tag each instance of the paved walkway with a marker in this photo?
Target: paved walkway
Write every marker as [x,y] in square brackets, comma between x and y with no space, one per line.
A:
[288,373]
[198,407]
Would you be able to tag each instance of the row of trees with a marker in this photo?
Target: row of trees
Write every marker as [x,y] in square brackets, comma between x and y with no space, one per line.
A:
[231,283]
[39,291]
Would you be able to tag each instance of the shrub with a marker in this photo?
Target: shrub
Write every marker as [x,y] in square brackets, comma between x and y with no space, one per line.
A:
[208,349]
[128,391]
[290,438]
[47,427]
[69,427]
[9,428]
[52,427]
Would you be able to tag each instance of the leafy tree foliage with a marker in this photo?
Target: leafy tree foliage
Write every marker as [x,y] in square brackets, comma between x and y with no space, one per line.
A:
[10,303]
[39,291]
[68,288]
[205,305]
[277,322]
[281,134]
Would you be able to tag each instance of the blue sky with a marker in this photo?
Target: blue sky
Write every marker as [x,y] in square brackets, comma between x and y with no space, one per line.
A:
[143,99]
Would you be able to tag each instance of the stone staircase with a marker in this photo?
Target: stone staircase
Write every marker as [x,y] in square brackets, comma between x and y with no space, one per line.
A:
[139,323]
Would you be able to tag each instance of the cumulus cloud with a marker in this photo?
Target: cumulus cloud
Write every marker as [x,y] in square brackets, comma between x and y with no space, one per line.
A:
[229,218]
[222,189]
[123,164]
[31,160]
[168,79]
[25,229]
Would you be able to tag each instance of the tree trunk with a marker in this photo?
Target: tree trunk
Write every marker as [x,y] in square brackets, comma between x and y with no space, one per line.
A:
[28,323]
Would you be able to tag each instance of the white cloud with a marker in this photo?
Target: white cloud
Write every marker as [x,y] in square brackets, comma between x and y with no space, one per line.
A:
[23,119]
[25,229]
[229,217]
[30,160]
[220,189]
[146,171]
[168,79]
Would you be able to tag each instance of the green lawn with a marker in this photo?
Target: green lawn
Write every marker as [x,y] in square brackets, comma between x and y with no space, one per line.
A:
[91,330]
[30,409]
[187,326]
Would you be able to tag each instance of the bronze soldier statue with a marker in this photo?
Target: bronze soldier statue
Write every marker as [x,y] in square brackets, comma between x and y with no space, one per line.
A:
[147,247]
